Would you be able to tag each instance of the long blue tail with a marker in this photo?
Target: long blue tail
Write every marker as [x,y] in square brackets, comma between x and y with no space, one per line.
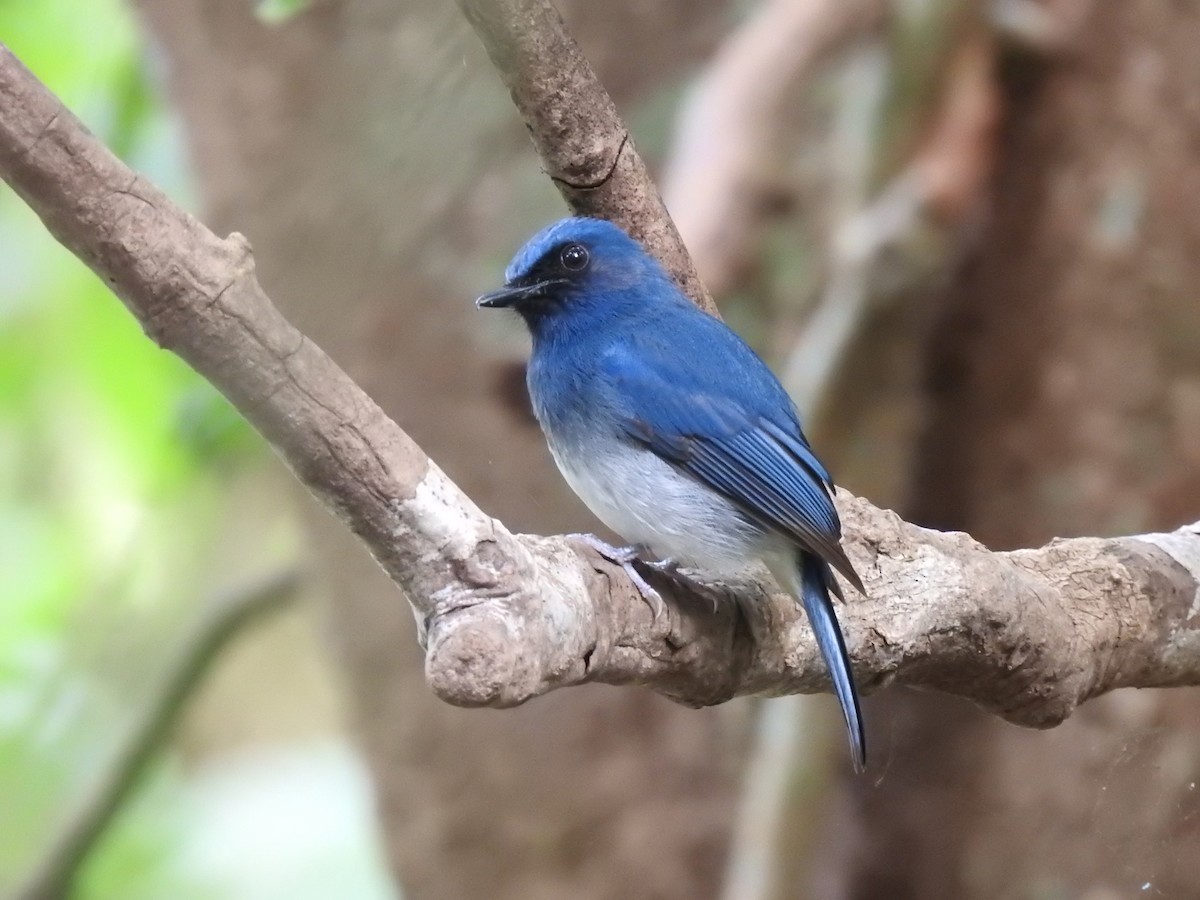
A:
[815,579]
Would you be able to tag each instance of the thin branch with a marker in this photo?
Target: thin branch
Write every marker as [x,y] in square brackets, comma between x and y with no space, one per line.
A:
[1028,635]
[55,872]
[720,183]
[787,778]
[582,141]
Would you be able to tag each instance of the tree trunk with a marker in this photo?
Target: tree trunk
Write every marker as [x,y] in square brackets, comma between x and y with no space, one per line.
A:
[1065,388]
[368,152]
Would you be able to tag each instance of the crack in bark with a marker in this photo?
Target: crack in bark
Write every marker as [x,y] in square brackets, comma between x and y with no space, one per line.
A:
[603,179]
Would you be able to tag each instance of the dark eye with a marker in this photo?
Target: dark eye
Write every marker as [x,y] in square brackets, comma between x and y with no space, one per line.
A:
[574,257]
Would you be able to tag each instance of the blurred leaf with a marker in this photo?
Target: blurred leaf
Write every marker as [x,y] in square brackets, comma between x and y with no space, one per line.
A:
[78,49]
[274,12]
[211,430]
[135,106]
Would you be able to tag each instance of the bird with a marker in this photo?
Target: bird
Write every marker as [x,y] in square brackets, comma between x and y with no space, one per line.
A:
[674,432]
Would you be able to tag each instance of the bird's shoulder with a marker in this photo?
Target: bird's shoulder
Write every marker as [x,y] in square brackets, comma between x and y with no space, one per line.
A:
[701,382]
[691,364]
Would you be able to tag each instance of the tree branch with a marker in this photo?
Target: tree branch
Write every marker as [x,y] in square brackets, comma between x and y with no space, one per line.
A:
[582,141]
[1028,635]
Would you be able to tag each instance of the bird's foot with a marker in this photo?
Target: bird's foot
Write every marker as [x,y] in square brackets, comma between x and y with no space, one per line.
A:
[668,567]
[673,570]
[625,557]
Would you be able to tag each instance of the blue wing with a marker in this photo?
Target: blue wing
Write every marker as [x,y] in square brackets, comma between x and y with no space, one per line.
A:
[733,428]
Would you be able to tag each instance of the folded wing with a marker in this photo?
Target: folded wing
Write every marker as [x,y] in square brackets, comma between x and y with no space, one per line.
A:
[738,442]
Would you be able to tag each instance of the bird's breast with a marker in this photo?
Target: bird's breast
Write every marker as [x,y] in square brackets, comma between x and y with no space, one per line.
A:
[648,501]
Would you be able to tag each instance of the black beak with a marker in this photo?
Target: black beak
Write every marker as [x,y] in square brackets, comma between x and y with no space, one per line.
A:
[512,294]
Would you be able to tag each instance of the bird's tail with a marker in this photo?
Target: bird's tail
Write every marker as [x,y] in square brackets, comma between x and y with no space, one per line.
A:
[812,583]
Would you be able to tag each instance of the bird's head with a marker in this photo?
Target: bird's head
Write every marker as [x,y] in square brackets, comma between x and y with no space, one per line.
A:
[575,267]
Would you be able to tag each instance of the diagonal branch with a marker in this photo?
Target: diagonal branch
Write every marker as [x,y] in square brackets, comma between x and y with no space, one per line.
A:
[584,145]
[1028,635]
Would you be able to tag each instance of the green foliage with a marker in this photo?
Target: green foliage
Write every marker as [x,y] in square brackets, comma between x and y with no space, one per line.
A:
[118,466]
[113,460]
[276,11]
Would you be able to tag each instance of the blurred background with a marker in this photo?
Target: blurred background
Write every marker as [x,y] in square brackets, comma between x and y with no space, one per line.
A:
[963,232]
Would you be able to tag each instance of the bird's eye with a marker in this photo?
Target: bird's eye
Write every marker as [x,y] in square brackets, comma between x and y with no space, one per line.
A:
[574,257]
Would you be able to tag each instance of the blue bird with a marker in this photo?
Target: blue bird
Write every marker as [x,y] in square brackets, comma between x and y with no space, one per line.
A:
[673,431]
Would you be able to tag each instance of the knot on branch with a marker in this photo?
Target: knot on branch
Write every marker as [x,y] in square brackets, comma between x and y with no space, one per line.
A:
[590,161]
[476,658]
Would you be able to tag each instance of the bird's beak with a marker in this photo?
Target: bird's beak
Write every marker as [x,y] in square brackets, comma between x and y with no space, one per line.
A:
[512,294]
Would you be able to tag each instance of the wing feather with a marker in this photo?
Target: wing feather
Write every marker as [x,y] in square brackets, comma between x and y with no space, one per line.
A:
[764,466]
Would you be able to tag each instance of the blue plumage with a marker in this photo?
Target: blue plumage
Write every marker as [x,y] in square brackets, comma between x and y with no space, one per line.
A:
[672,430]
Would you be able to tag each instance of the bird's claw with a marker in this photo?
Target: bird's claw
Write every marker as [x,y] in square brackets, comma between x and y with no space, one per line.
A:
[673,570]
[668,567]
[658,609]
[625,557]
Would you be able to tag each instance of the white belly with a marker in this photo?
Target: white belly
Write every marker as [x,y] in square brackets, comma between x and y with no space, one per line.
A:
[648,502]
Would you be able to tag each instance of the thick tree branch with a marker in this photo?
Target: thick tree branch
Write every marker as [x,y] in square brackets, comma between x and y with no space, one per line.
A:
[1028,635]
[582,141]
